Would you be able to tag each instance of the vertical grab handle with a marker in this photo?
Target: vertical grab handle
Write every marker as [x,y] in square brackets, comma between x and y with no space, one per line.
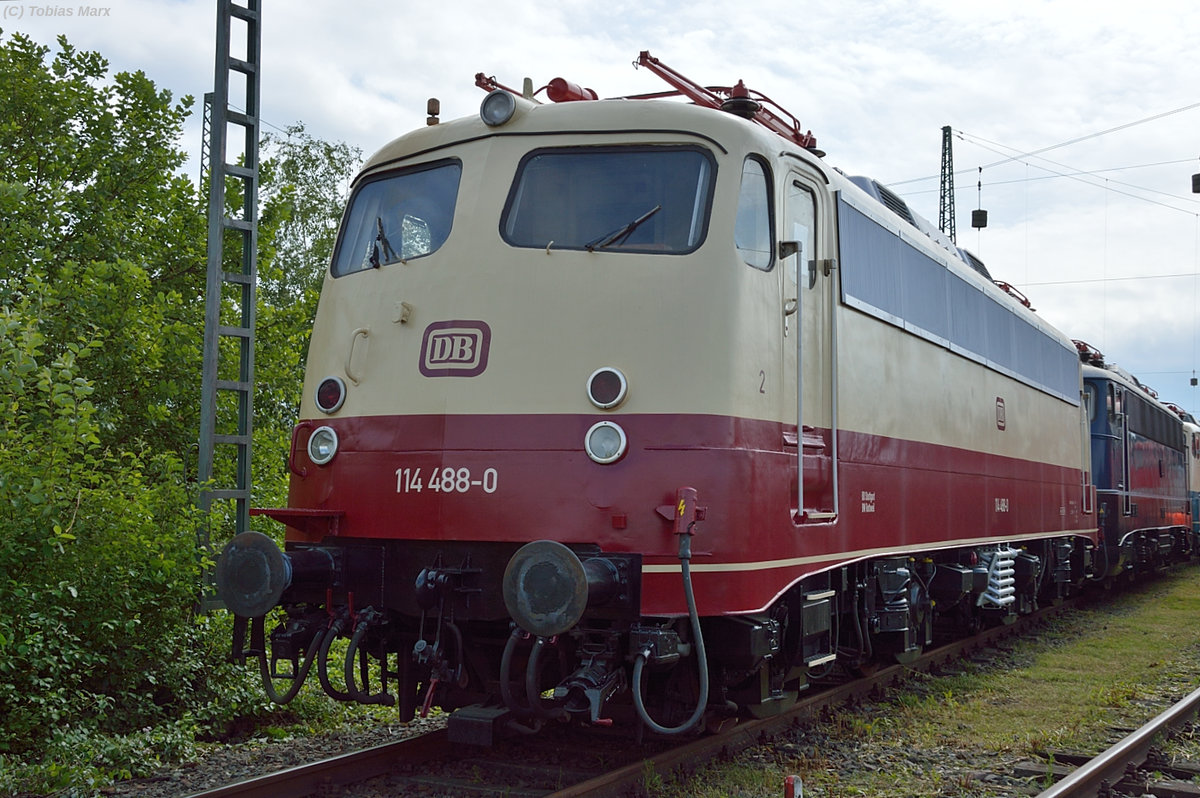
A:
[349,368]
[299,471]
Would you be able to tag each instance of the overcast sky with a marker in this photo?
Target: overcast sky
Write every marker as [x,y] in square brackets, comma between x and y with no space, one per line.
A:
[1101,233]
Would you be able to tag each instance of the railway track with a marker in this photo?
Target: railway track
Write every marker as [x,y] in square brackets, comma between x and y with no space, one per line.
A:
[1130,767]
[572,762]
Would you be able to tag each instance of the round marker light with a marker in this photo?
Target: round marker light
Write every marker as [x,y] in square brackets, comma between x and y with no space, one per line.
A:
[322,445]
[497,108]
[605,442]
[330,394]
[606,388]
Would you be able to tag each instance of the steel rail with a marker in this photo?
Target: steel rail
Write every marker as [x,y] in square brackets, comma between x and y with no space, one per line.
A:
[747,734]
[1108,768]
[335,771]
[356,767]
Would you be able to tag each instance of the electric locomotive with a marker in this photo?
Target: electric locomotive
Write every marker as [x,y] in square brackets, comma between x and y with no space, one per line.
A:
[1141,458]
[637,410]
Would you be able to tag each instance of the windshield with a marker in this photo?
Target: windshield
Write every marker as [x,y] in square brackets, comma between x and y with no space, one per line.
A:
[397,217]
[628,199]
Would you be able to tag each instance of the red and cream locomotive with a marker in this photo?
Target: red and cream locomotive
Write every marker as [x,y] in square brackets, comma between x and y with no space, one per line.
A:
[637,409]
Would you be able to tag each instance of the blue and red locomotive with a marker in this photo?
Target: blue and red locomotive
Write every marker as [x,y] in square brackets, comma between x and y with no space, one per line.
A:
[1141,466]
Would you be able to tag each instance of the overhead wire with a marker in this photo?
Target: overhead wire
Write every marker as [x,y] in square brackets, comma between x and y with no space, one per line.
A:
[1079,175]
[1076,140]
[1097,134]
[1022,156]
[1033,158]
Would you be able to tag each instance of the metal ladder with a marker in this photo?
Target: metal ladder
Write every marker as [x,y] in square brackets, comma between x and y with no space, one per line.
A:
[227,388]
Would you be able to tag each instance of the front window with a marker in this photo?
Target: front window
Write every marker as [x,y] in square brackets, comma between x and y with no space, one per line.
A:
[398,216]
[627,199]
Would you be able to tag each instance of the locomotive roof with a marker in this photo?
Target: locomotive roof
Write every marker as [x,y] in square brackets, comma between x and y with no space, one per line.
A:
[585,120]
[1117,374]
[649,116]
[658,120]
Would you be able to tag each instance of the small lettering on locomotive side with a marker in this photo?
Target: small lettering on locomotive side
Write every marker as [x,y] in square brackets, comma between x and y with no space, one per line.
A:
[1001,505]
[868,501]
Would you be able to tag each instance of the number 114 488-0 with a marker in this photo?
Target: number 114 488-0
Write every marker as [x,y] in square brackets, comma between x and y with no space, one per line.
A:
[445,480]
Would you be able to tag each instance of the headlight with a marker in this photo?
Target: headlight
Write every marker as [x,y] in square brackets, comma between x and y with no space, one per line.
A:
[497,108]
[605,442]
[322,445]
[330,394]
[606,388]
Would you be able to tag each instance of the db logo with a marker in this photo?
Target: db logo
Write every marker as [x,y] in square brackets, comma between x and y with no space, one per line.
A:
[455,348]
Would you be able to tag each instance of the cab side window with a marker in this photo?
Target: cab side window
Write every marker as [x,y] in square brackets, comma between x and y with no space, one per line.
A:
[398,216]
[754,227]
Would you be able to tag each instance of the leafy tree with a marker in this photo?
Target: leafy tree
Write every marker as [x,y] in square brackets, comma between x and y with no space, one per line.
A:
[93,208]
[101,322]
[305,184]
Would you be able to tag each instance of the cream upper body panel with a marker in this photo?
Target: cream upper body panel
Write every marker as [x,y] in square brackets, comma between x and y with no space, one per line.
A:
[694,332]
[896,380]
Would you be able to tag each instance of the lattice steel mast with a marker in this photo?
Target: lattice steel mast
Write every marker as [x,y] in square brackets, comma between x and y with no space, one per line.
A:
[227,388]
[946,203]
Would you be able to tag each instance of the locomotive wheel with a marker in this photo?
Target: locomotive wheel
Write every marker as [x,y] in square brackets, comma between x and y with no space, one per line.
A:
[670,696]
[776,706]
[864,669]
[677,698]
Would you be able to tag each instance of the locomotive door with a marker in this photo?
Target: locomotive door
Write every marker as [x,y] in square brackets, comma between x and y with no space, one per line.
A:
[1120,426]
[806,285]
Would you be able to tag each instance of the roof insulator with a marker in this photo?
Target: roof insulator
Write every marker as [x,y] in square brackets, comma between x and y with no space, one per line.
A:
[739,102]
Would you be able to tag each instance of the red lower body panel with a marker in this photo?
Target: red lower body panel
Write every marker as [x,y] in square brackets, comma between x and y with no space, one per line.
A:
[517,478]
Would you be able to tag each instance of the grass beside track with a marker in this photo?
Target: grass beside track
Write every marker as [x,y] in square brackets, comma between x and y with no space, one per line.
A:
[1114,663]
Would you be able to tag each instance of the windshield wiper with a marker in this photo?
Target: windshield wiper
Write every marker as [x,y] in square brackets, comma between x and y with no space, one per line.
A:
[389,254]
[619,235]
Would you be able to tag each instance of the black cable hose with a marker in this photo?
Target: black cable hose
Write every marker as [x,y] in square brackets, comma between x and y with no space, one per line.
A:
[460,651]
[384,698]
[331,634]
[506,676]
[685,556]
[532,693]
[265,670]
[521,713]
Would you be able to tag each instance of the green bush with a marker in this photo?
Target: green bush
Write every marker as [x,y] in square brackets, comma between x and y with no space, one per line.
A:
[97,555]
